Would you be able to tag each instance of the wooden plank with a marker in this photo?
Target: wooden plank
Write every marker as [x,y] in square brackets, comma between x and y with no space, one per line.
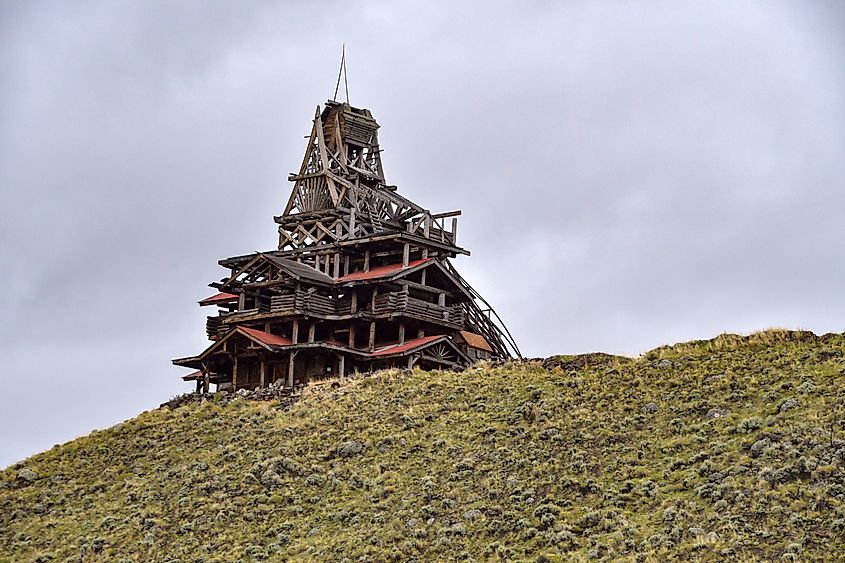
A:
[263,369]
[290,368]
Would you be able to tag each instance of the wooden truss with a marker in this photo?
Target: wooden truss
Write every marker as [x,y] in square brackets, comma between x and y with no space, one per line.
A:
[340,193]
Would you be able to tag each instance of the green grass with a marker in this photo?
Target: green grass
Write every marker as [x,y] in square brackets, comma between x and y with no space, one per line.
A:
[518,462]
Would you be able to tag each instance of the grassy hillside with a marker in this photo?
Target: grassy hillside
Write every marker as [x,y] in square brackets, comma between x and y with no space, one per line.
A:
[729,448]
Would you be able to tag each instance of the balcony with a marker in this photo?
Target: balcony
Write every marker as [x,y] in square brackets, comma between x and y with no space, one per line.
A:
[305,303]
[400,302]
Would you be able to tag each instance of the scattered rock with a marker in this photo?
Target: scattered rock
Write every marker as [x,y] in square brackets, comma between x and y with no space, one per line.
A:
[760,446]
[350,449]
[696,532]
[790,403]
[650,407]
[472,514]
[717,477]
[224,396]
[716,413]
[582,361]
[663,364]
[27,475]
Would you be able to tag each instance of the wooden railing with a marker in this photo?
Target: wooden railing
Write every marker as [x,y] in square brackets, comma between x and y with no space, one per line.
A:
[215,328]
[303,302]
[401,302]
[435,227]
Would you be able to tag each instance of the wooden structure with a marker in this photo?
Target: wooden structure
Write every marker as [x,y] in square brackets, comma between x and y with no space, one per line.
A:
[361,278]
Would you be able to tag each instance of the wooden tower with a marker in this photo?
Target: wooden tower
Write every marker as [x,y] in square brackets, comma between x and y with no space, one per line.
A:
[361,278]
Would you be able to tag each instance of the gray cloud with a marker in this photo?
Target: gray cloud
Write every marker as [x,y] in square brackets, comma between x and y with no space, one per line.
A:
[630,174]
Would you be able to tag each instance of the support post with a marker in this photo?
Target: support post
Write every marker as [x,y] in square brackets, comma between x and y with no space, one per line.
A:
[204,377]
[372,343]
[235,374]
[352,336]
[311,331]
[336,265]
[341,367]
[294,335]
[290,368]
[401,333]
[263,370]
[406,254]
[354,308]
[441,299]
[367,260]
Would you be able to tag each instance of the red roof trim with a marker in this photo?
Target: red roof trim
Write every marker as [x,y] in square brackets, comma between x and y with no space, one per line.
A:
[382,271]
[193,376]
[407,346]
[219,298]
[266,337]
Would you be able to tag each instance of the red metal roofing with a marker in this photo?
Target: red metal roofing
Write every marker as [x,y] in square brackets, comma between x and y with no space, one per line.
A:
[406,347]
[266,337]
[219,298]
[381,271]
[193,376]
[476,340]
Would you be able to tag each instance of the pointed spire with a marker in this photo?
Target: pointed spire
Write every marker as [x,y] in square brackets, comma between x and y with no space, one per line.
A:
[342,71]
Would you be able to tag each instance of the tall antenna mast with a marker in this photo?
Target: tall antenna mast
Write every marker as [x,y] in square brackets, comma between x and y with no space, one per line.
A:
[342,71]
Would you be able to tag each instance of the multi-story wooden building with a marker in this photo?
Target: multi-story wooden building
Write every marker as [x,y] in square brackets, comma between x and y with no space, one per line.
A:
[361,278]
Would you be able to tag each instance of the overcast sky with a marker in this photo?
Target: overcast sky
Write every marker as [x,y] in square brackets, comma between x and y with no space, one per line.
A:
[631,174]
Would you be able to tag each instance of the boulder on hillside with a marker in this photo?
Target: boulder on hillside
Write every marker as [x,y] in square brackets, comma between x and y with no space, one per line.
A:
[350,449]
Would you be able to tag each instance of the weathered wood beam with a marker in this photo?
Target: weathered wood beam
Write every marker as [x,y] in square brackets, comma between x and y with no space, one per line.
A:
[263,369]
[291,363]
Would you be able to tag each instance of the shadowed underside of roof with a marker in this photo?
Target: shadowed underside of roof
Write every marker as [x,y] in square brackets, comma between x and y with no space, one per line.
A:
[382,271]
[219,298]
[408,346]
